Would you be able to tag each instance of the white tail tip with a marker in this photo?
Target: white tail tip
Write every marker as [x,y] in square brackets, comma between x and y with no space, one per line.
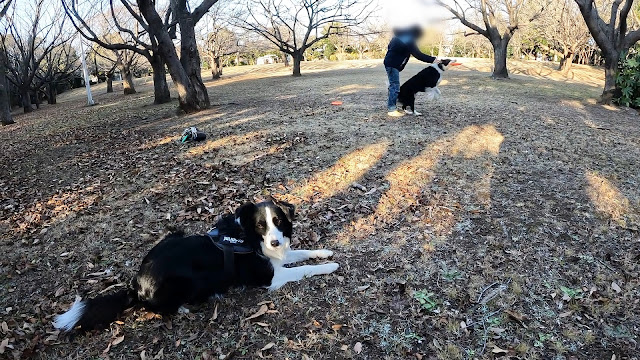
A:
[68,320]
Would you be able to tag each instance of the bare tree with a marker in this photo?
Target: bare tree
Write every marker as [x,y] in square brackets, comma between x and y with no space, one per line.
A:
[572,34]
[56,69]
[615,35]
[104,63]
[123,31]
[5,105]
[219,40]
[500,20]
[294,25]
[184,70]
[30,36]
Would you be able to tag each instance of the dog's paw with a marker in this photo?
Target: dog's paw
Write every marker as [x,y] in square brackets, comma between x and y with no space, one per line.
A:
[323,254]
[329,268]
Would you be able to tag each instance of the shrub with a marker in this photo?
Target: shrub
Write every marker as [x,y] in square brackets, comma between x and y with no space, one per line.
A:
[628,81]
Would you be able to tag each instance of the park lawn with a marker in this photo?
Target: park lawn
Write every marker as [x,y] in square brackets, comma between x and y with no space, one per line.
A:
[503,222]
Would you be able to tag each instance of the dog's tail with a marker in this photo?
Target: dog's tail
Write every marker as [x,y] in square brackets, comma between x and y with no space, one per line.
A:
[96,313]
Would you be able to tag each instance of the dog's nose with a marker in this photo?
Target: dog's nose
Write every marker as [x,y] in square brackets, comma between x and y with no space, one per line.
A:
[275,243]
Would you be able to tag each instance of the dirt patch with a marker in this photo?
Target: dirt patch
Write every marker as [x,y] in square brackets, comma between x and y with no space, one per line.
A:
[504,222]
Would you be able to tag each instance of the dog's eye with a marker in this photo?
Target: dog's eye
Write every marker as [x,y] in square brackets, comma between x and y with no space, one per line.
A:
[276,221]
[262,224]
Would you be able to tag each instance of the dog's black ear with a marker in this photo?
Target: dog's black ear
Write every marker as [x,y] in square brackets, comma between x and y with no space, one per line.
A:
[244,212]
[288,209]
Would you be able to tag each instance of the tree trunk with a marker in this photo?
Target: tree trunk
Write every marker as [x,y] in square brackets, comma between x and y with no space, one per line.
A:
[52,93]
[611,90]
[109,82]
[566,62]
[26,101]
[297,59]
[36,94]
[500,58]
[190,59]
[5,104]
[166,50]
[160,88]
[127,78]
[216,68]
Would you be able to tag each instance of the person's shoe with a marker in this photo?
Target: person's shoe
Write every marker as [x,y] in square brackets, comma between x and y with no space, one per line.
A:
[395,113]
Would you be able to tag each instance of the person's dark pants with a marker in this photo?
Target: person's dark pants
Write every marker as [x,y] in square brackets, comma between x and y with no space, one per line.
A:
[394,87]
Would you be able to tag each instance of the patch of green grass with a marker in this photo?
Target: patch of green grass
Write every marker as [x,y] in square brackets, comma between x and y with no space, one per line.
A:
[542,338]
[572,293]
[494,321]
[390,339]
[426,300]
[451,274]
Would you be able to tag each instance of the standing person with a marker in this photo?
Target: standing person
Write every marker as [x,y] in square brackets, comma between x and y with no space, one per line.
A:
[400,49]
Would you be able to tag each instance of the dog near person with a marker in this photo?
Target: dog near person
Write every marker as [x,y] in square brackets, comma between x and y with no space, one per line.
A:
[183,269]
[426,81]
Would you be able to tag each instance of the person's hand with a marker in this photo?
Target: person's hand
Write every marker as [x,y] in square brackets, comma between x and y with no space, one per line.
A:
[436,61]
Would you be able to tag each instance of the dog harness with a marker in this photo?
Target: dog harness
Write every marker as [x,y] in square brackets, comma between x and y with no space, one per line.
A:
[230,246]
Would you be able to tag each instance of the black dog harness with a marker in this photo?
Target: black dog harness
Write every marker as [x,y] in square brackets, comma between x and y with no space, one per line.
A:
[230,246]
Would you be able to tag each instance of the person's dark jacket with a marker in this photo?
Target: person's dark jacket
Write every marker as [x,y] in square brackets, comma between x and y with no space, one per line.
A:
[401,47]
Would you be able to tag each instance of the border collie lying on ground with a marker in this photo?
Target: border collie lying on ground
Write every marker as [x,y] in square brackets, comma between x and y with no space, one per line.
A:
[427,81]
[189,269]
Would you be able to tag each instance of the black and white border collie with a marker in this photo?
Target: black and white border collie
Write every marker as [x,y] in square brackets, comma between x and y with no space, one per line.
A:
[426,81]
[190,269]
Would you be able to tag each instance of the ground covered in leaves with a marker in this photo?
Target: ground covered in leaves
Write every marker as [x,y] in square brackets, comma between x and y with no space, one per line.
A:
[502,224]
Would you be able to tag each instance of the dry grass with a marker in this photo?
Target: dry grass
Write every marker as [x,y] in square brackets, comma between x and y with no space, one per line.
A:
[506,218]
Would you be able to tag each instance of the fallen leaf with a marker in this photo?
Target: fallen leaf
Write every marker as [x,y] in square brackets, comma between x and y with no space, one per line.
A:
[616,287]
[159,355]
[215,313]
[265,348]
[360,187]
[263,310]
[497,350]
[261,324]
[516,315]
[4,327]
[59,292]
[3,345]
[268,346]
[363,287]
[143,355]
[344,347]
[117,340]
[565,314]
[357,347]
[337,327]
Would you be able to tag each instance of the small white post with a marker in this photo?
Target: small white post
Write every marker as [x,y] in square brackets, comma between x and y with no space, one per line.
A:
[85,71]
